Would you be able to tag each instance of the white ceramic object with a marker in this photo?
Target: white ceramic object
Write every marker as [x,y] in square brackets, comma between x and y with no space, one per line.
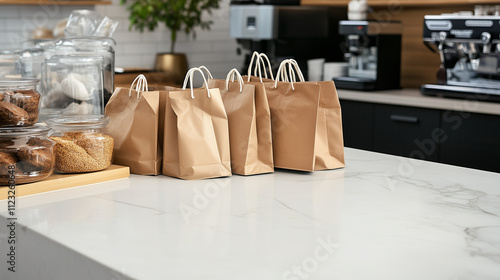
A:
[334,69]
[315,69]
[357,10]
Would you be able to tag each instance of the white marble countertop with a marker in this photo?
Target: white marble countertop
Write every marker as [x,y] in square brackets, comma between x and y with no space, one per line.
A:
[382,217]
[413,98]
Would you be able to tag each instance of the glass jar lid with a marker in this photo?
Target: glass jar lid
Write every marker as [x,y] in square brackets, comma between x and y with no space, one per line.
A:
[9,52]
[18,82]
[35,130]
[75,59]
[32,52]
[80,122]
[95,41]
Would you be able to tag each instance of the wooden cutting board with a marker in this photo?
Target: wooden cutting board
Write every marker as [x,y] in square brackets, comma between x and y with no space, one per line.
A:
[65,181]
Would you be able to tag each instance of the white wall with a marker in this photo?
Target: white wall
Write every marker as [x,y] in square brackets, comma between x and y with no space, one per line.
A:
[213,48]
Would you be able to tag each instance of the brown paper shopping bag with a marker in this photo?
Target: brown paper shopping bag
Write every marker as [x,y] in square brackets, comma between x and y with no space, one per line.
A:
[134,127]
[306,122]
[249,120]
[163,92]
[196,141]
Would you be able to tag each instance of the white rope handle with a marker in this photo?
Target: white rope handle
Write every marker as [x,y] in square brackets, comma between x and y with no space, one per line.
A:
[230,75]
[291,74]
[261,60]
[258,66]
[249,72]
[190,74]
[297,68]
[284,76]
[282,67]
[209,75]
[141,86]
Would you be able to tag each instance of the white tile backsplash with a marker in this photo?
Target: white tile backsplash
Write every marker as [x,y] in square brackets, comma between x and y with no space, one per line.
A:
[213,48]
[9,12]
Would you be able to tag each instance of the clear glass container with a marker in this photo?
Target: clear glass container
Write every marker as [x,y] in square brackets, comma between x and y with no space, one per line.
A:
[19,102]
[47,114]
[30,63]
[73,84]
[48,47]
[26,155]
[95,46]
[9,64]
[81,143]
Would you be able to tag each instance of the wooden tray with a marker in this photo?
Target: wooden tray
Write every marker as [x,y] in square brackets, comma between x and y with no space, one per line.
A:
[65,181]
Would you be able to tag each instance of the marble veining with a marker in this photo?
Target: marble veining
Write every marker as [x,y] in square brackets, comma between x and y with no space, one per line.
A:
[382,217]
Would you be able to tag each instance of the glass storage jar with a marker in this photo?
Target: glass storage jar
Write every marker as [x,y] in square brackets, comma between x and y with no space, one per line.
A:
[30,63]
[19,100]
[9,64]
[26,155]
[81,143]
[95,46]
[73,84]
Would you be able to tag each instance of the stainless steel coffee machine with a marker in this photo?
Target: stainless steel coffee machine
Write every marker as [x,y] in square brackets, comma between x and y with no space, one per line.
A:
[470,55]
[373,50]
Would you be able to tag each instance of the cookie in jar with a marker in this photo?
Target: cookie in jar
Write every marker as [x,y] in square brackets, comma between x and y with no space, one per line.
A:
[26,155]
[81,143]
[19,102]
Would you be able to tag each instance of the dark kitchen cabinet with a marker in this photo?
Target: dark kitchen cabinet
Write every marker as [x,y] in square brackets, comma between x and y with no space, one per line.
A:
[406,131]
[357,118]
[457,138]
[471,140]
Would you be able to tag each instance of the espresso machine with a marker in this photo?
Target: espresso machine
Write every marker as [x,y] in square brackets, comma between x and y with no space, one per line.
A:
[373,52]
[285,29]
[469,50]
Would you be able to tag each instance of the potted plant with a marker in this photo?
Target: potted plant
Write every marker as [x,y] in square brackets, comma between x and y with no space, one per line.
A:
[177,15]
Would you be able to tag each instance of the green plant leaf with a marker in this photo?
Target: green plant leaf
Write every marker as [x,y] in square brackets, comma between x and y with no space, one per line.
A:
[175,14]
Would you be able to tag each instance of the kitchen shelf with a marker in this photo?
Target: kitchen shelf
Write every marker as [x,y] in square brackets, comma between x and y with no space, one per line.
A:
[53,2]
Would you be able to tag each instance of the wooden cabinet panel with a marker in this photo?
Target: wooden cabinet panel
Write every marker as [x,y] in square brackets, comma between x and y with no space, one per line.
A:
[407,131]
[472,140]
[357,124]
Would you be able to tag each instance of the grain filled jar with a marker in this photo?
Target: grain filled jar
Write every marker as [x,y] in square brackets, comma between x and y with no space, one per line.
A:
[26,155]
[81,143]
[19,102]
